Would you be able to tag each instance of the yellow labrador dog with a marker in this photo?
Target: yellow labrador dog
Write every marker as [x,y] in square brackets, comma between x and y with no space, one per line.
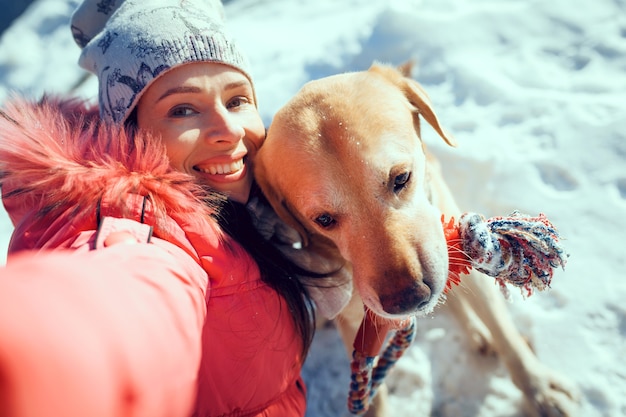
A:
[344,165]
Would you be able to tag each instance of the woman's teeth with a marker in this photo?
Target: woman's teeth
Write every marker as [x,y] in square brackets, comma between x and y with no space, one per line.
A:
[222,168]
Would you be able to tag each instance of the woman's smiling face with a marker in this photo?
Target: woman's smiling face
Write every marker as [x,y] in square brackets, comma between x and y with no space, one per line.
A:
[206,116]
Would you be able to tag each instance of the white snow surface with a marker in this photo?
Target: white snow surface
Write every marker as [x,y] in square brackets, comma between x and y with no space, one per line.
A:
[534,92]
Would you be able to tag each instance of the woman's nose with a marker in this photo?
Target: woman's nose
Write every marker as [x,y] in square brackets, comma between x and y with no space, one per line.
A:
[223,126]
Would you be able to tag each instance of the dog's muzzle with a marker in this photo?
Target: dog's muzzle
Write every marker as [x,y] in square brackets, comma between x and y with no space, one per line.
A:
[408,301]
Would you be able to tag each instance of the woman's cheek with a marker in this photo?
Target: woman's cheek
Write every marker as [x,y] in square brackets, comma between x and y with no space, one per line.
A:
[176,155]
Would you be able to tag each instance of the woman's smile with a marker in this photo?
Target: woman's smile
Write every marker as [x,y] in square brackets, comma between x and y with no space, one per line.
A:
[221,168]
[225,171]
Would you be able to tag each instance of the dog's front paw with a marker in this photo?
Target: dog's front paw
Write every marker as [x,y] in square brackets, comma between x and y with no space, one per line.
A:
[551,395]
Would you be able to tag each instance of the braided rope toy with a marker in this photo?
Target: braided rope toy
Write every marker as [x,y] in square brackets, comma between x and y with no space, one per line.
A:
[519,250]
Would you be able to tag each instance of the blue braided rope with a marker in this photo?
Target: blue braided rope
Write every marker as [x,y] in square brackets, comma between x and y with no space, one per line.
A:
[396,348]
[366,379]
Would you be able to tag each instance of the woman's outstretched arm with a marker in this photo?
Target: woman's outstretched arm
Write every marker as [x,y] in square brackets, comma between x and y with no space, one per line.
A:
[111,332]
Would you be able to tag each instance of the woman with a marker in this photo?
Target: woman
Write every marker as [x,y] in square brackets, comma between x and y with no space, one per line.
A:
[137,303]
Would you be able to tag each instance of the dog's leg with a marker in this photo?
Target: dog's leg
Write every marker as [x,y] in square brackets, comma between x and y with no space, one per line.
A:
[478,335]
[547,394]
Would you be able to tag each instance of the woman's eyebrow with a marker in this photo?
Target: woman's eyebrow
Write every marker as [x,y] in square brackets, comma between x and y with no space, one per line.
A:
[190,89]
[236,84]
[179,90]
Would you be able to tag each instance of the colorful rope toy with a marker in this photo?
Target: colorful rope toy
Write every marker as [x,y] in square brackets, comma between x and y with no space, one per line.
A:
[519,250]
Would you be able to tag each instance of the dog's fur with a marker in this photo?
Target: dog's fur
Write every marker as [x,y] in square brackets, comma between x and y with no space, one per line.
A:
[344,164]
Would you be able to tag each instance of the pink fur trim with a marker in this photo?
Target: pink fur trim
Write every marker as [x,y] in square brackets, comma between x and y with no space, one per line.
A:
[56,154]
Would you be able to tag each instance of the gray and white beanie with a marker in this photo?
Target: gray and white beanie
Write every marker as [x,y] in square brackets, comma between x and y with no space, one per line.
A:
[127,44]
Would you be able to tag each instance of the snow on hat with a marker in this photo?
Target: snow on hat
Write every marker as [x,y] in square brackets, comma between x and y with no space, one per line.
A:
[129,43]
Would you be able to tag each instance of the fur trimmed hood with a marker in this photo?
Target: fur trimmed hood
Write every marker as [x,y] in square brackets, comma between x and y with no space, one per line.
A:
[59,164]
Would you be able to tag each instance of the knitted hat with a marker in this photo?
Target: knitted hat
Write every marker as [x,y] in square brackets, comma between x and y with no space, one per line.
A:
[129,43]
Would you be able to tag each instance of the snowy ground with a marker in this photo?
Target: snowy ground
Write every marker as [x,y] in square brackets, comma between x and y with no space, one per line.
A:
[535,93]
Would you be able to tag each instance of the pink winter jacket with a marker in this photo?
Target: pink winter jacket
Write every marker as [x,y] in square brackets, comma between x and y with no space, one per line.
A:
[180,326]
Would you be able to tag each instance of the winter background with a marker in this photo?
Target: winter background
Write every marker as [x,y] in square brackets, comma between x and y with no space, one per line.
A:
[535,93]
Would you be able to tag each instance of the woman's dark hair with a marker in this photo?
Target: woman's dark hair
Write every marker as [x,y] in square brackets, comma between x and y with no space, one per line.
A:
[276,269]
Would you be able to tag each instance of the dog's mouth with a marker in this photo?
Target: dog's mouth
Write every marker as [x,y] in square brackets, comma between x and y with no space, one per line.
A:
[372,331]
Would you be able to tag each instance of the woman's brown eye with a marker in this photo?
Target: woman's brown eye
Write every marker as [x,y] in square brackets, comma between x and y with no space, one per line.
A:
[400,181]
[237,102]
[181,111]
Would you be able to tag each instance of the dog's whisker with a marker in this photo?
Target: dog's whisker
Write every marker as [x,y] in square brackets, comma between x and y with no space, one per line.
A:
[462,260]
[460,251]
[456,248]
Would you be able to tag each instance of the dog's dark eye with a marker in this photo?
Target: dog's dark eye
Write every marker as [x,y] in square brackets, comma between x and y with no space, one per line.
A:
[325,220]
[400,181]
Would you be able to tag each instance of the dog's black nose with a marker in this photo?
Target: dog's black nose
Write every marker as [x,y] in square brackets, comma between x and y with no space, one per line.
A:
[407,301]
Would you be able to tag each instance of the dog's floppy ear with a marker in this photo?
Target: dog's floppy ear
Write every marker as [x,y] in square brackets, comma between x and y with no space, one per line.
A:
[277,201]
[282,209]
[416,95]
